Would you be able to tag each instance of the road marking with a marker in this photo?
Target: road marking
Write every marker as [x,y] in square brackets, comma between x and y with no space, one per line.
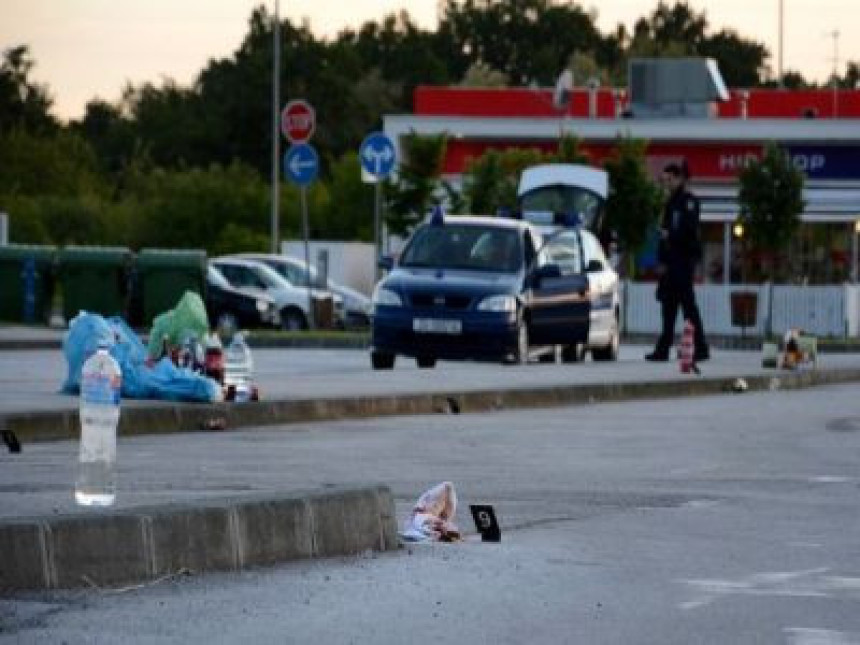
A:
[809,583]
[700,503]
[804,636]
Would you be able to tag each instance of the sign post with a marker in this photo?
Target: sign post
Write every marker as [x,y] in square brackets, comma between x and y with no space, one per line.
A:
[301,166]
[298,121]
[377,157]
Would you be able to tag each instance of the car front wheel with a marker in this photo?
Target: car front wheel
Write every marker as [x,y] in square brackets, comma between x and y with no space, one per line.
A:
[610,352]
[293,319]
[521,353]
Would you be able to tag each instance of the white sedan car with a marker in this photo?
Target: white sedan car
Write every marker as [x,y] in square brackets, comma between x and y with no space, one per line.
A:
[357,307]
[293,302]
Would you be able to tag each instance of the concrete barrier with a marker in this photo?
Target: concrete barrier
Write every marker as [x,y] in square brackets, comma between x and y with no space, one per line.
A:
[116,547]
[189,417]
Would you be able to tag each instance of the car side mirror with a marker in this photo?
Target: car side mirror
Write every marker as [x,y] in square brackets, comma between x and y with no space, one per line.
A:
[594,266]
[386,262]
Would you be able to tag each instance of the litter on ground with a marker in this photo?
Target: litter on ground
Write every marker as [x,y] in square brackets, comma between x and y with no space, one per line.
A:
[432,517]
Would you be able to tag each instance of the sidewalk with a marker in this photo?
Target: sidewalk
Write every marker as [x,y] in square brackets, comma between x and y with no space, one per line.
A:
[299,385]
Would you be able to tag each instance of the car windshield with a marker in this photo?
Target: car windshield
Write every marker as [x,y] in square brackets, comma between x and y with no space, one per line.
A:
[269,276]
[465,246]
[293,272]
[214,277]
[566,200]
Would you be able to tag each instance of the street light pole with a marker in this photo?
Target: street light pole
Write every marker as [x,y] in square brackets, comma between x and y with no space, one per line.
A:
[835,35]
[781,27]
[276,100]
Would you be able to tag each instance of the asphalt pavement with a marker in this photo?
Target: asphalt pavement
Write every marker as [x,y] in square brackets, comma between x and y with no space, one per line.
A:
[56,541]
[706,520]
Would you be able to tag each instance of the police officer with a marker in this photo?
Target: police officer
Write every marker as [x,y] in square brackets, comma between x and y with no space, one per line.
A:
[678,253]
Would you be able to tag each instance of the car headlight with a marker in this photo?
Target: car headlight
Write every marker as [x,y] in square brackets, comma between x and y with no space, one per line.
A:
[386,297]
[262,306]
[498,303]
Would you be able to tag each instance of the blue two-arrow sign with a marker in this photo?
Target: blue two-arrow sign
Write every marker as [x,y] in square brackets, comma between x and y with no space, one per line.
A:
[377,155]
[301,164]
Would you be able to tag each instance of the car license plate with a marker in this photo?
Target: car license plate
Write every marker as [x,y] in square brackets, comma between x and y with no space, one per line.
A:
[437,326]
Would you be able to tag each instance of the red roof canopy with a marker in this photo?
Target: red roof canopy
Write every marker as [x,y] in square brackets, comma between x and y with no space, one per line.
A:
[537,103]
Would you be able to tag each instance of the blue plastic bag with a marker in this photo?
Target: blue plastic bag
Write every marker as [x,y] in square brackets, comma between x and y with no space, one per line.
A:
[168,382]
[164,380]
[86,332]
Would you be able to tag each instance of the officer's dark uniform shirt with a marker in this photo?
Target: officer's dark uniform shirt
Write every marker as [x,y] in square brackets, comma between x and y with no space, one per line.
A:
[681,249]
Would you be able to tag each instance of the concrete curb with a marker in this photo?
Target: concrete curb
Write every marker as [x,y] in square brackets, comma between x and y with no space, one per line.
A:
[29,343]
[187,417]
[117,547]
[255,343]
[750,343]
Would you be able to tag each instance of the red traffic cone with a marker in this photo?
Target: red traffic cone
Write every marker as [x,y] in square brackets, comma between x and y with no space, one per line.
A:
[686,353]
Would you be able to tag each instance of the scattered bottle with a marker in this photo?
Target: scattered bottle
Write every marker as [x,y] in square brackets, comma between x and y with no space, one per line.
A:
[190,354]
[239,370]
[213,362]
[101,382]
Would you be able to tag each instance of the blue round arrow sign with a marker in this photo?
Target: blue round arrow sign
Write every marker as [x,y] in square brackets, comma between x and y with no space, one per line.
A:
[377,155]
[301,164]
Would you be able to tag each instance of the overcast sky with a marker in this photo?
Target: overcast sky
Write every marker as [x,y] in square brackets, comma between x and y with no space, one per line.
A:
[89,48]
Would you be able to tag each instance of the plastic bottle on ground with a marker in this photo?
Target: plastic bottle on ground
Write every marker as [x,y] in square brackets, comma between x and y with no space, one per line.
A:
[101,382]
[239,368]
[213,364]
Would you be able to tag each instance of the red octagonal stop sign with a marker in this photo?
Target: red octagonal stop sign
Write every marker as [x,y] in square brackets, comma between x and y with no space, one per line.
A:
[298,121]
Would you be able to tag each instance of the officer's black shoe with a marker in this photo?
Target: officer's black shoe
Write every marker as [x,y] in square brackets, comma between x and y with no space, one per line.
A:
[702,354]
[657,357]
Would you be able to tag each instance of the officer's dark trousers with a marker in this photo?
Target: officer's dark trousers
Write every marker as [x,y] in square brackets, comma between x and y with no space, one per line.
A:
[676,293]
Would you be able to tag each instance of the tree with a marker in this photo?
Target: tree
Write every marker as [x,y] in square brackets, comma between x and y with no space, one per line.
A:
[491,181]
[111,135]
[771,201]
[23,104]
[195,207]
[851,80]
[633,204]
[569,151]
[585,68]
[529,41]
[349,213]
[742,62]
[481,75]
[57,164]
[416,190]
[677,30]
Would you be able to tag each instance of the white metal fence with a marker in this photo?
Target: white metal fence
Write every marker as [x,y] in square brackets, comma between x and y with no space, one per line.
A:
[823,311]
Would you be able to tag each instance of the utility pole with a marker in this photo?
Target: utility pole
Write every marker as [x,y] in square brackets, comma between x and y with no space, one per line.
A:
[835,35]
[780,71]
[276,101]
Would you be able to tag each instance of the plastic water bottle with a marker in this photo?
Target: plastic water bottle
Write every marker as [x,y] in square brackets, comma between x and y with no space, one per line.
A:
[101,381]
[239,368]
[213,361]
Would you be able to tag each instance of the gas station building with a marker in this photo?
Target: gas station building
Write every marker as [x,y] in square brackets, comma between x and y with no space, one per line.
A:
[819,129]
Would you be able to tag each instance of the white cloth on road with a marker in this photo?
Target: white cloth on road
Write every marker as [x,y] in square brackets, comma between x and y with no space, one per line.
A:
[432,517]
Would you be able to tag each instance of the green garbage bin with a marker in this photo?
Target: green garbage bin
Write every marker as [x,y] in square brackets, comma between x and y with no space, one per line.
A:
[26,282]
[94,279]
[165,274]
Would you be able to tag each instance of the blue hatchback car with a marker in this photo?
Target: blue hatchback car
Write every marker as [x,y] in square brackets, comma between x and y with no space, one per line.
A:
[495,289]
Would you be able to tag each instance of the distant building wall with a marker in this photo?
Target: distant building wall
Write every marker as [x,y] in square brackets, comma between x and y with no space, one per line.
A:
[350,263]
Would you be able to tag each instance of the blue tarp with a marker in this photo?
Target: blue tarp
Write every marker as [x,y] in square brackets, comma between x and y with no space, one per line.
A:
[163,380]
